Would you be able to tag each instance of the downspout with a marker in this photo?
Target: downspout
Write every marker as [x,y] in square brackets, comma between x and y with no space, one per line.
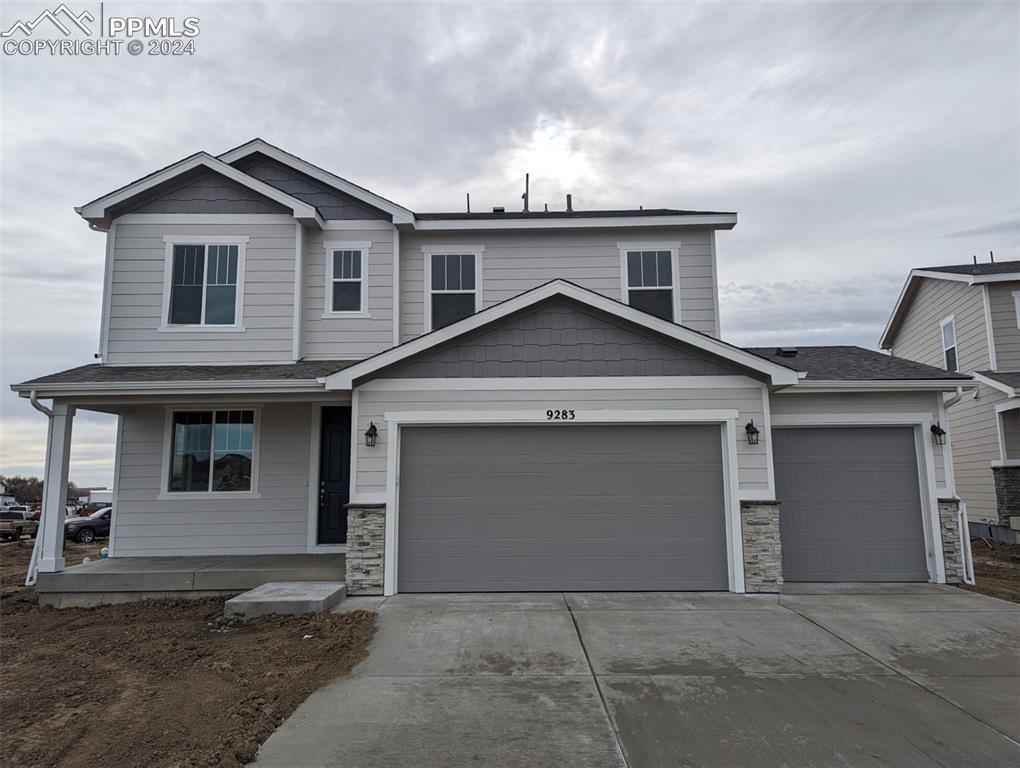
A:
[33,564]
[962,523]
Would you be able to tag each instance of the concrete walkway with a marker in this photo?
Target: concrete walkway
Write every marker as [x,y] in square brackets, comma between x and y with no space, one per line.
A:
[913,676]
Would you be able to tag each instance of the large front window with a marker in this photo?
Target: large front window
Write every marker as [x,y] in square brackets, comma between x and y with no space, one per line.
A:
[453,290]
[211,451]
[203,285]
[650,286]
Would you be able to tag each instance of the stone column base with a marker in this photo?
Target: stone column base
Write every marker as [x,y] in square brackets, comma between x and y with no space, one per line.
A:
[952,545]
[366,547]
[1007,493]
[763,546]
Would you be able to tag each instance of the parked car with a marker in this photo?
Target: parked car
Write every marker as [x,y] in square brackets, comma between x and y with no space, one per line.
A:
[87,529]
[16,521]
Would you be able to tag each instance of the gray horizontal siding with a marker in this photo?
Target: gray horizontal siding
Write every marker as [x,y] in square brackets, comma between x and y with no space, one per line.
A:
[561,338]
[1002,308]
[348,337]
[861,404]
[275,522]
[136,297]
[975,446]
[514,262]
[919,337]
[372,405]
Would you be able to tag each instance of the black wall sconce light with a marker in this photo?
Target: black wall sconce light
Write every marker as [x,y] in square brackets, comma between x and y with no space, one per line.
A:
[938,435]
[371,434]
[752,433]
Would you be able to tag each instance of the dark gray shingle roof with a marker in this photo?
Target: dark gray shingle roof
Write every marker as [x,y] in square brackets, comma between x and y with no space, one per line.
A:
[1009,378]
[976,270]
[853,364]
[123,374]
[566,214]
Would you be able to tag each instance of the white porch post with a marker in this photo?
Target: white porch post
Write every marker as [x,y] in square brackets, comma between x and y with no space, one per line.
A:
[58,457]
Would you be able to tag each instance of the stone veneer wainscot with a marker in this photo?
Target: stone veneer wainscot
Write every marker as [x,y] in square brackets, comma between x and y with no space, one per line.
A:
[763,546]
[366,543]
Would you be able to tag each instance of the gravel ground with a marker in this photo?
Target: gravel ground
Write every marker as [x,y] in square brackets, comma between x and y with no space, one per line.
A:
[154,683]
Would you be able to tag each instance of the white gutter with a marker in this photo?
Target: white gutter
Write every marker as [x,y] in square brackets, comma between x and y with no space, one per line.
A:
[33,563]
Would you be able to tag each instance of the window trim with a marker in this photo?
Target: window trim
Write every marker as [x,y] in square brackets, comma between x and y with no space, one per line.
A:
[165,494]
[365,246]
[428,251]
[674,257]
[956,342]
[169,241]
[1016,307]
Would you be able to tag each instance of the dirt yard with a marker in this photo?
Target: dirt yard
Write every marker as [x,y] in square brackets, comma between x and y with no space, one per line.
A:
[996,569]
[155,683]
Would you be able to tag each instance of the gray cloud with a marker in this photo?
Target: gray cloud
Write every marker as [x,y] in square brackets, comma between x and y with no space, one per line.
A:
[850,137]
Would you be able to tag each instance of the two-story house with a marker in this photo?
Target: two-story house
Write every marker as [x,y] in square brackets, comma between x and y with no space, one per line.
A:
[480,401]
[966,317]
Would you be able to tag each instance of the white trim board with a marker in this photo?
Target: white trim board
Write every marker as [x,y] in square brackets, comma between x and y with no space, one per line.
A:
[718,221]
[779,375]
[396,420]
[989,333]
[615,383]
[205,218]
[995,384]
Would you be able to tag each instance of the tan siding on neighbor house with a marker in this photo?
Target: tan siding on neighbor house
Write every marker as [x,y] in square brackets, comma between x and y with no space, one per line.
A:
[275,521]
[514,262]
[371,407]
[919,337]
[329,338]
[975,442]
[137,297]
[1002,309]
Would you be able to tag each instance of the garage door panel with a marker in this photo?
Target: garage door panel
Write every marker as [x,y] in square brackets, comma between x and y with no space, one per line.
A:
[851,505]
[564,507]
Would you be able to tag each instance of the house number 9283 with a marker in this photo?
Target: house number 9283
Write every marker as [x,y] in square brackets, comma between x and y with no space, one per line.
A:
[559,415]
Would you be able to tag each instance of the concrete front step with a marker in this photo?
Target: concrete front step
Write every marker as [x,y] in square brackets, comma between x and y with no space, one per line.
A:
[286,597]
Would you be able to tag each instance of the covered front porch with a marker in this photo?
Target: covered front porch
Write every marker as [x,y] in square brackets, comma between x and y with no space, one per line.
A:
[123,579]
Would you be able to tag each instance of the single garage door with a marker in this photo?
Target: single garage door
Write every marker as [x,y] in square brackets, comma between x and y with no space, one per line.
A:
[561,507]
[851,504]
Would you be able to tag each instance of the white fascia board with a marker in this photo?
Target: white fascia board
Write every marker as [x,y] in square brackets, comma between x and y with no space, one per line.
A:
[1005,388]
[97,208]
[1003,277]
[168,387]
[893,323]
[884,385]
[400,214]
[720,221]
[778,374]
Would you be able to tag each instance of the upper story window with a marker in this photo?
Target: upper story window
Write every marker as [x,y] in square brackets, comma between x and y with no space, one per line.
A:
[204,284]
[347,279]
[211,451]
[1016,307]
[948,329]
[453,279]
[649,276]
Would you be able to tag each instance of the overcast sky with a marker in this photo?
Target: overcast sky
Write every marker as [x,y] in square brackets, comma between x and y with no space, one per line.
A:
[855,140]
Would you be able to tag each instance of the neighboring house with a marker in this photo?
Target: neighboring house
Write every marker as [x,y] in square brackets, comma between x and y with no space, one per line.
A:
[967,318]
[481,401]
[6,499]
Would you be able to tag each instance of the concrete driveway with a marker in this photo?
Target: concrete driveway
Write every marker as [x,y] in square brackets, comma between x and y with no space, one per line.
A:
[897,676]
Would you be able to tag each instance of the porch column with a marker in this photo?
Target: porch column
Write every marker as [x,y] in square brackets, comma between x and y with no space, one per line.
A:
[58,457]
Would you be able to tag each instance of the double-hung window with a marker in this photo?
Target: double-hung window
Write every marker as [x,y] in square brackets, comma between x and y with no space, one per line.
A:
[649,281]
[204,284]
[211,451]
[346,278]
[452,286]
[948,329]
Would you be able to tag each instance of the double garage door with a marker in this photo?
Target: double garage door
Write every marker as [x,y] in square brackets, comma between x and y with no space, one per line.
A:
[599,507]
[561,507]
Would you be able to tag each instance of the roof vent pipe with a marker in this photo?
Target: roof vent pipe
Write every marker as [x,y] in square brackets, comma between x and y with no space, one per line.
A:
[991,256]
[570,203]
[469,202]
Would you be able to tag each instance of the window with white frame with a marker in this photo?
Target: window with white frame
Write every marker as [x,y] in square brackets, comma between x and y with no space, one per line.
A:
[453,287]
[650,282]
[345,292]
[204,287]
[948,329]
[1016,307]
[211,451]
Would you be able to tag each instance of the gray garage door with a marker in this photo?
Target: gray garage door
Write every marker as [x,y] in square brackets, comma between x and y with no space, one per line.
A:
[561,507]
[851,505]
